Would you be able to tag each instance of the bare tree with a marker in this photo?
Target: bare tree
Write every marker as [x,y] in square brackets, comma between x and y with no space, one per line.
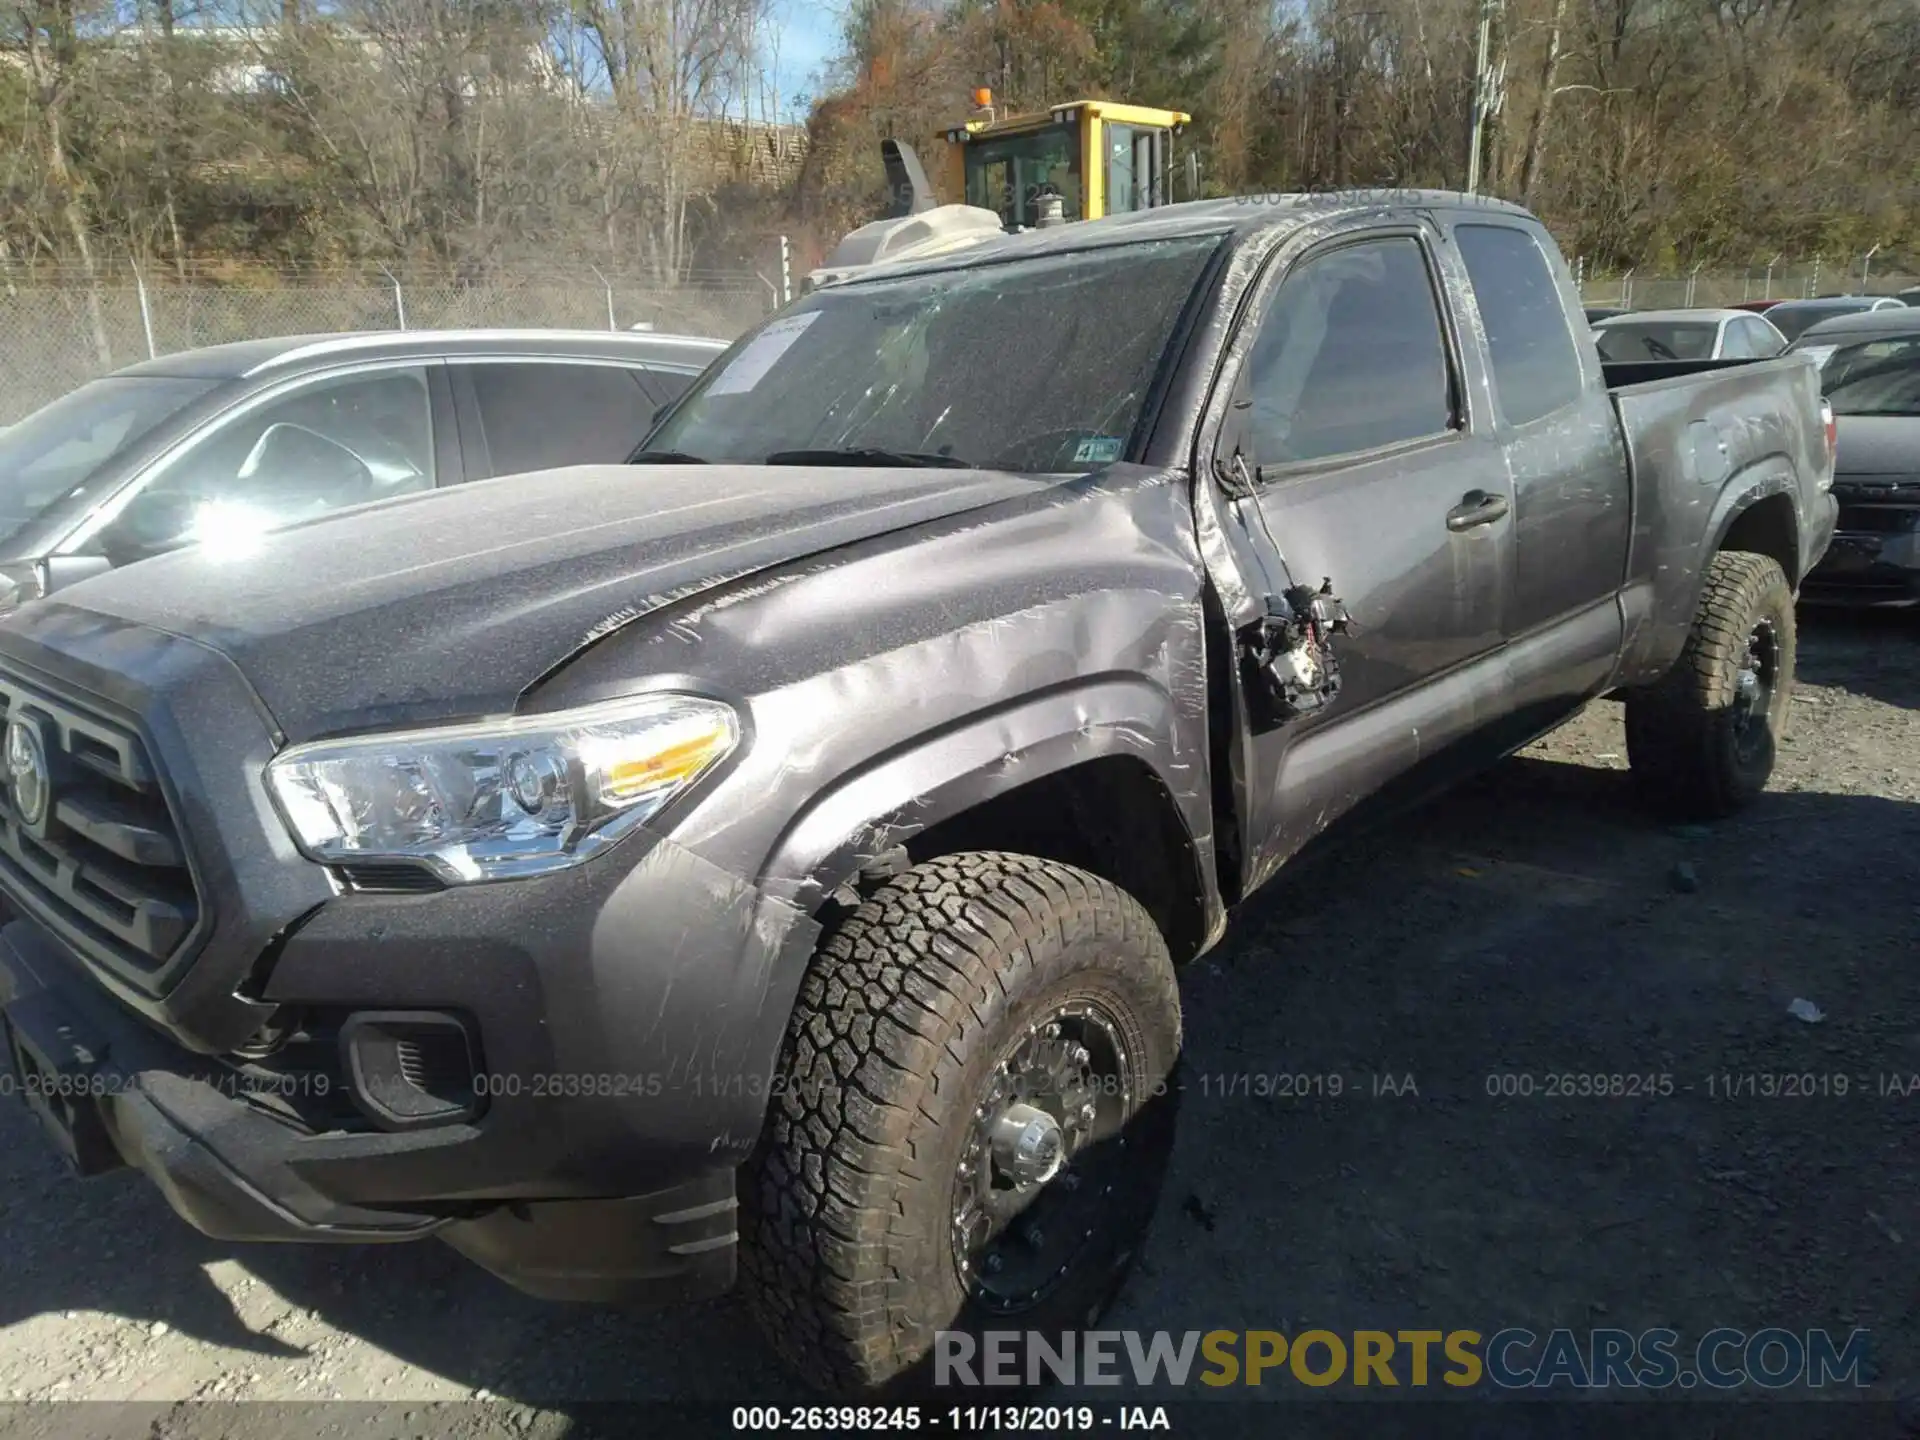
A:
[668,65]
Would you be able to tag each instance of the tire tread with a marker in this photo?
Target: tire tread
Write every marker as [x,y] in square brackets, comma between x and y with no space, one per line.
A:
[890,1011]
[1678,735]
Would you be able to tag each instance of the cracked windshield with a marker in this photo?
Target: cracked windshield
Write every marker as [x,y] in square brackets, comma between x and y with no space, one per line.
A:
[1026,366]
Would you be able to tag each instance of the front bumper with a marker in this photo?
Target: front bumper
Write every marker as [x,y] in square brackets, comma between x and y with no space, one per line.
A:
[111,1093]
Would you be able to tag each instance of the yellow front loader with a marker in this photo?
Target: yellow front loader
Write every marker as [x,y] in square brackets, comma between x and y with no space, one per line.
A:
[1077,161]
[1100,157]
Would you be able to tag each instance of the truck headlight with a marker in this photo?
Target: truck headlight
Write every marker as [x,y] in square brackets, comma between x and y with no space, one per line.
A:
[499,799]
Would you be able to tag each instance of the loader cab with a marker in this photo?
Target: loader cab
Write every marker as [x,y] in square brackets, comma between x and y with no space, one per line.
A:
[1100,157]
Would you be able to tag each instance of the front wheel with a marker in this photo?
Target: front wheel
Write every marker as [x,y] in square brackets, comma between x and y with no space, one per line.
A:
[973,1121]
[1702,741]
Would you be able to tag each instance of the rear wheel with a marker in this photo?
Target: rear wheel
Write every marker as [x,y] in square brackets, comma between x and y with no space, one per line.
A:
[1702,741]
[973,1122]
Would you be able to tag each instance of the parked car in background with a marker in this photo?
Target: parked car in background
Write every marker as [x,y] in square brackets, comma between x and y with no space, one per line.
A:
[1909,296]
[1687,335]
[220,443]
[1870,373]
[1792,317]
[1756,307]
[1596,313]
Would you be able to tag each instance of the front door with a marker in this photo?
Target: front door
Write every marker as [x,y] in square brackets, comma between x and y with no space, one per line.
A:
[1352,427]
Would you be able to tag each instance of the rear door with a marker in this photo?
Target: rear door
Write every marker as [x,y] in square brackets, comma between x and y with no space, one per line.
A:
[519,415]
[1572,503]
[1350,415]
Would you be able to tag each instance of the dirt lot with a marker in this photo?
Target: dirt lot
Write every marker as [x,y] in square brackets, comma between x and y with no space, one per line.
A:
[1536,924]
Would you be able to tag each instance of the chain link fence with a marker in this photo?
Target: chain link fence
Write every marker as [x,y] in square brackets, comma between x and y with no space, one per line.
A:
[59,332]
[1799,280]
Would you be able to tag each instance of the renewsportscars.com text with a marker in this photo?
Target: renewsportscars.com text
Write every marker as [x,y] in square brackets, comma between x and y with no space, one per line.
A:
[1508,1359]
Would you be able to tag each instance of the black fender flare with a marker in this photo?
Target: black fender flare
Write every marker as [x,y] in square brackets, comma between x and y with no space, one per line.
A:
[988,753]
[882,805]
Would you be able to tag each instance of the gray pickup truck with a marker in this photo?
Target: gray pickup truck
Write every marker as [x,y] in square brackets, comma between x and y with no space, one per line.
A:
[771,860]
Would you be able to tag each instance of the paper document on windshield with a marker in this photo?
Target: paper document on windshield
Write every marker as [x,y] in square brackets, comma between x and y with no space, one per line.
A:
[750,366]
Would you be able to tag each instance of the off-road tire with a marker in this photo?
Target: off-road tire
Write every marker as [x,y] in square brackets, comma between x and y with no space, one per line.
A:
[1681,731]
[908,1006]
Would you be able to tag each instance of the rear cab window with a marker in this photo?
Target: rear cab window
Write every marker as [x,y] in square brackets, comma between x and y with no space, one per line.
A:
[1530,343]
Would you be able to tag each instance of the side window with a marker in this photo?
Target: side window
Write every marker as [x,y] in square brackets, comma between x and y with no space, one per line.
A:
[1350,356]
[1122,180]
[1736,342]
[1761,339]
[666,385]
[542,416]
[1536,370]
[321,446]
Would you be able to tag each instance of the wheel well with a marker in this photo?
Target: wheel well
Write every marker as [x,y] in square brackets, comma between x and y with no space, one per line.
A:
[1767,527]
[1112,816]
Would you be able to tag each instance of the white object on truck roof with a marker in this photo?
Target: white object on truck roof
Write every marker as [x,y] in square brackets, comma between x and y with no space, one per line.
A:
[908,237]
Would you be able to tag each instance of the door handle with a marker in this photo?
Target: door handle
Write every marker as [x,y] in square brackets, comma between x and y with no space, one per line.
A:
[1477,509]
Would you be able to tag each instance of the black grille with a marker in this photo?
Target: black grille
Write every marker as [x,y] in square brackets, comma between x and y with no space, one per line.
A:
[105,868]
[389,877]
[1879,519]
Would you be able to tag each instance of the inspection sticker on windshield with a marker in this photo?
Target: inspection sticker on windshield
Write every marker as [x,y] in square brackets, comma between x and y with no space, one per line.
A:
[750,366]
[1098,450]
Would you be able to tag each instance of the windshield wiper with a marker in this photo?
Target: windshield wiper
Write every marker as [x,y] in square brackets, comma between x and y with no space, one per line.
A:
[664,457]
[860,456]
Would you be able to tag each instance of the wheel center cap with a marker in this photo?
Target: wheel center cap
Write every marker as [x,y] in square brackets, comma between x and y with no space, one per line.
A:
[1027,1145]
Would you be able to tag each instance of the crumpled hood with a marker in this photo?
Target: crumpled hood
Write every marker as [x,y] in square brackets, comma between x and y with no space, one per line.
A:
[450,603]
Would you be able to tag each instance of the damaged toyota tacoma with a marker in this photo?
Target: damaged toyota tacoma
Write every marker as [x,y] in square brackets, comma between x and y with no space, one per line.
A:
[770,861]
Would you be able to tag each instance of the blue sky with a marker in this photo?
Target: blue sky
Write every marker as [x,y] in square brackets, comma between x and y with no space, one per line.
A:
[809,32]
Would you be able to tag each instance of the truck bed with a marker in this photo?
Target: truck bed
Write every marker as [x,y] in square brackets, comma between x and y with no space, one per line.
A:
[1624,373]
[1703,439]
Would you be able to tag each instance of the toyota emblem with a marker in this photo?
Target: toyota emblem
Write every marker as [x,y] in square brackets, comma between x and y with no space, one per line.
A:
[27,775]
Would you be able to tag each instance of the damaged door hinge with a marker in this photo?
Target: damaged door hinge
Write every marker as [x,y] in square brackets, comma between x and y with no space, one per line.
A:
[1234,476]
[1289,651]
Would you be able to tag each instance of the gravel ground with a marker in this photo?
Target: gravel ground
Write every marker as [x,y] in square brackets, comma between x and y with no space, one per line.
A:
[1535,923]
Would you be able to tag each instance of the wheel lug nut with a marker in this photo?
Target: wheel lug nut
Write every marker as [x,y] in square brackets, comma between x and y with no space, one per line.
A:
[1034,1236]
[993,1264]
